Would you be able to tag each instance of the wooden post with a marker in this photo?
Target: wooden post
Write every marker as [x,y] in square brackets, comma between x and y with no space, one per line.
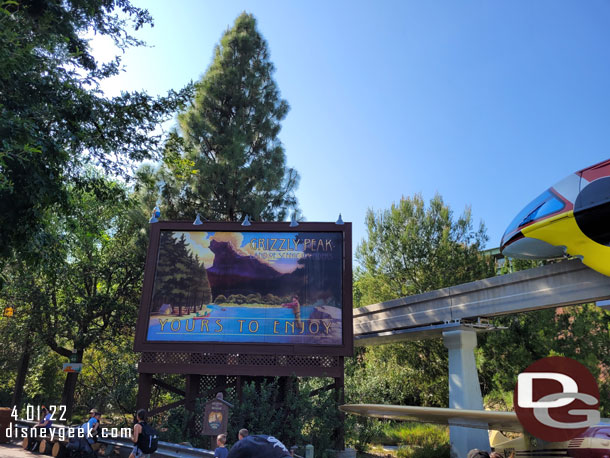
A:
[144,391]
[340,400]
[192,392]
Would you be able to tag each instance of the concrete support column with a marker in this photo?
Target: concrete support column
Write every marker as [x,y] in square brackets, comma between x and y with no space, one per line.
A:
[464,390]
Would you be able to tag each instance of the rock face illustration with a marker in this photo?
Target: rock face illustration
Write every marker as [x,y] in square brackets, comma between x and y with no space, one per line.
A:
[234,273]
[228,262]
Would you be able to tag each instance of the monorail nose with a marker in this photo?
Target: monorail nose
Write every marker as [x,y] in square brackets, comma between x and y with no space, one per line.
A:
[529,248]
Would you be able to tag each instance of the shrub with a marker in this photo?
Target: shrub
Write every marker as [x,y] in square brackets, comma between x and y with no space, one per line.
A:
[429,451]
[422,441]
[298,419]
[253,298]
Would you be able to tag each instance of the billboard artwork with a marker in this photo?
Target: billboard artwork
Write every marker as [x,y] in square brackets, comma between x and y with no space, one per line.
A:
[248,287]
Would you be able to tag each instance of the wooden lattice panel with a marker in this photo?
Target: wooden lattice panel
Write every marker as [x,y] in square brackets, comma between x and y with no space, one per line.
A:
[240,364]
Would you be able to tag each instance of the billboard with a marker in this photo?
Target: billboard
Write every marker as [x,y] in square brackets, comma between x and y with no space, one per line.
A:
[267,287]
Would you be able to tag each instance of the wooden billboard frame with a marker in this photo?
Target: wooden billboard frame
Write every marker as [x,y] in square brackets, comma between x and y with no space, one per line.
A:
[141,344]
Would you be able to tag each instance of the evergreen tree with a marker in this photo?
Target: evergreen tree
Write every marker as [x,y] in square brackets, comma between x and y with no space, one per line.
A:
[181,279]
[229,136]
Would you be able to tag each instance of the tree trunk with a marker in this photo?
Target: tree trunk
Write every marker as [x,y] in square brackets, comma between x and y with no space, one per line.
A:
[67,397]
[24,364]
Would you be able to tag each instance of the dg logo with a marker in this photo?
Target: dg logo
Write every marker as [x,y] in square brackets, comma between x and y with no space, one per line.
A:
[556,399]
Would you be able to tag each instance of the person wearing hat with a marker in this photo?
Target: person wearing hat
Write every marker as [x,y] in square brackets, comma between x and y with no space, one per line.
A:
[91,425]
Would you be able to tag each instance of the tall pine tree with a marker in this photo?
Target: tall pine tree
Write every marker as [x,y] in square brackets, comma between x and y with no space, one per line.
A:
[229,136]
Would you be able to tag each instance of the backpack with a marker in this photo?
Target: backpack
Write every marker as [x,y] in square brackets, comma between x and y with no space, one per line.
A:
[148,440]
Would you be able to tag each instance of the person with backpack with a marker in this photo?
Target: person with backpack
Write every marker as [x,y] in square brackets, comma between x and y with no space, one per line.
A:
[144,436]
[260,446]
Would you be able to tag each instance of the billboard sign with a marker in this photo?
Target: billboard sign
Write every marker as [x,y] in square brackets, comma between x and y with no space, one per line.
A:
[229,286]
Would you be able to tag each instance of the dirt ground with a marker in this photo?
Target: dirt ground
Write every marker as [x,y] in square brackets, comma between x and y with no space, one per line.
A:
[13,450]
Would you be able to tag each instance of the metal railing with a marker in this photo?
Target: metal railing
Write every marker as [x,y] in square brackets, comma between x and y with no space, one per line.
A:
[124,446]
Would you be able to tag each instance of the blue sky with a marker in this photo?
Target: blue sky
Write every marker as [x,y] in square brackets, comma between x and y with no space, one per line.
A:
[486,103]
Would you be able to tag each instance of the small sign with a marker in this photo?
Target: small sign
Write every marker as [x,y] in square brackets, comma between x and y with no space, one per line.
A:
[8,312]
[215,417]
[73,367]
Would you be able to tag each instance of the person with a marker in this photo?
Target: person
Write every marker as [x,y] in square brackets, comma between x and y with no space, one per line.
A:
[82,445]
[296,308]
[495,455]
[98,417]
[45,422]
[221,451]
[242,433]
[260,446]
[141,417]
[476,453]
[91,425]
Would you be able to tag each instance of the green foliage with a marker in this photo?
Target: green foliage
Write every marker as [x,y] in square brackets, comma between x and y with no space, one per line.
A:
[410,249]
[220,299]
[421,441]
[109,378]
[174,426]
[417,434]
[94,284]
[428,451]
[288,413]
[83,293]
[236,299]
[43,385]
[578,332]
[54,119]
[181,278]
[253,298]
[230,135]
[263,411]
[363,431]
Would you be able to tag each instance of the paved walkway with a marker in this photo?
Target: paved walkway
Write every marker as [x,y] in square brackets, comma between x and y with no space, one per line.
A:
[13,450]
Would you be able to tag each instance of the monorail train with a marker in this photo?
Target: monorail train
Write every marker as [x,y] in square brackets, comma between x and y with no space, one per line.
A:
[572,217]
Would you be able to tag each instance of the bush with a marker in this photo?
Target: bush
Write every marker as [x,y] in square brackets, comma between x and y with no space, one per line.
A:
[221,299]
[298,419]
[429,451]
[421,440]
[417,434]
[362,431]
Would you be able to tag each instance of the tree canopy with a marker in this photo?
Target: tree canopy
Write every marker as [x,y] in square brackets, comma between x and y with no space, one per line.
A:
[226,159]
[412,248]
[54,119]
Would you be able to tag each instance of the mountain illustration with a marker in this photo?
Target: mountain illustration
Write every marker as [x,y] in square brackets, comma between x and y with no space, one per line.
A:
[227,261]
[235,273]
